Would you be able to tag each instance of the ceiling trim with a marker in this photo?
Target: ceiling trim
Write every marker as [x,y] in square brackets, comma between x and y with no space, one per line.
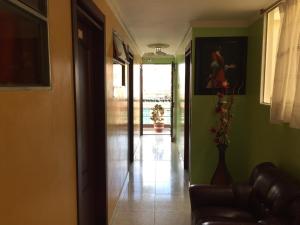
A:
[220,23]
[212,23]
[116,13]
[226,23]
[185,40]
[255,18]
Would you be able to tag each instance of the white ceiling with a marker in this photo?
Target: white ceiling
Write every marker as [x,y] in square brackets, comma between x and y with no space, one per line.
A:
[167,21]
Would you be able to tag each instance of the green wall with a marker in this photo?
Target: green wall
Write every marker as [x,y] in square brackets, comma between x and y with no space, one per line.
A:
[253,138]
[204,154]
[266,141]
[180,87]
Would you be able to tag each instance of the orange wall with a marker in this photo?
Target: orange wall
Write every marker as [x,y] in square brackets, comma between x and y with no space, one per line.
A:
[37,135]
[37,140]
[117,108]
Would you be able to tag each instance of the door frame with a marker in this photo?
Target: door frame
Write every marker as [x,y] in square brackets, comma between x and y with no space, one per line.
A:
[88,10]
[130,110]
[187,106]
[173,108]
[141,101]
[172,65]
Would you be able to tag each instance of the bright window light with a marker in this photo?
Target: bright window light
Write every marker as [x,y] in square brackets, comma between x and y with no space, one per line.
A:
[157,79]
[271,39]
[157,83]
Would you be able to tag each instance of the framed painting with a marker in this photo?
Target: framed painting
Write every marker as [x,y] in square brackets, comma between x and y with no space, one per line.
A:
[220,62]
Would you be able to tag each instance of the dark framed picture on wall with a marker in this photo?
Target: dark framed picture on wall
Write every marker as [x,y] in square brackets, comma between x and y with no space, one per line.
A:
[219,62]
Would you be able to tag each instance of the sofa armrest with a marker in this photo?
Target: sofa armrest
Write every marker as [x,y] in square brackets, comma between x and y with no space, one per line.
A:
[210,195]
[242,194]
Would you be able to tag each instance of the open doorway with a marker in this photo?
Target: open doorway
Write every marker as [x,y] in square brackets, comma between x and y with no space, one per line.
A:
[157,99]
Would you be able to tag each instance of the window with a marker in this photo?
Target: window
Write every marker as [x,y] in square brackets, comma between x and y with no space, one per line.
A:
[120,68]
[119,80]
[38,5]
[24,58]
[271,39]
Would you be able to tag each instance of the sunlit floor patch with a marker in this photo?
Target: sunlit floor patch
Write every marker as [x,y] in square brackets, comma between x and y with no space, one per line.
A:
[147,130]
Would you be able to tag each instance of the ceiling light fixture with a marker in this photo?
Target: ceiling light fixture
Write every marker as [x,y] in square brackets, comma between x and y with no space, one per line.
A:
[157,49]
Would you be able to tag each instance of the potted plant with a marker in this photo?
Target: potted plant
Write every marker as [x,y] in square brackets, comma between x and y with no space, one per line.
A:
[157,117]
[221,138]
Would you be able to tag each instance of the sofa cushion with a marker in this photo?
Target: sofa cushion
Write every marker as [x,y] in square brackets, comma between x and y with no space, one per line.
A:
[205,214]
[272,220]
[230,223]
[211,195]
[293,212]
[261,222]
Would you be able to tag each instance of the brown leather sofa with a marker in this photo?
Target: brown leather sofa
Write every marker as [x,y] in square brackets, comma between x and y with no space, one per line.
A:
[270,198]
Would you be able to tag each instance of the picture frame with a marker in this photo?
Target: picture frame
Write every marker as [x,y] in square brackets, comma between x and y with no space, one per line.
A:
[220,62]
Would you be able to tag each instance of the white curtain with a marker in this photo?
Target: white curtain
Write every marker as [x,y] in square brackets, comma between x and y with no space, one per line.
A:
[285,103]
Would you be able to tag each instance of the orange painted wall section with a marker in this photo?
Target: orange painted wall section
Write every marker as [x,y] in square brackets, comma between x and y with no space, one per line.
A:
[117,114]
[37,134]
[37,139]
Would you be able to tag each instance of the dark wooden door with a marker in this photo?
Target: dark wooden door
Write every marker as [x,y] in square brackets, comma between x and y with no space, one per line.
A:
[187,106]
[85,142]
[88,36]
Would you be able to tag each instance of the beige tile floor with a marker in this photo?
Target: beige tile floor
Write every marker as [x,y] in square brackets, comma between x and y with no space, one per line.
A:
[157,190]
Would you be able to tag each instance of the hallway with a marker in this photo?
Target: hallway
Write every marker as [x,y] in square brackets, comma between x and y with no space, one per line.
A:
[157,189]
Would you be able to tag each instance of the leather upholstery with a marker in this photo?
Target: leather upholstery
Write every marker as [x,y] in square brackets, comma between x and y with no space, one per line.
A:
[270,198]
[229,223]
